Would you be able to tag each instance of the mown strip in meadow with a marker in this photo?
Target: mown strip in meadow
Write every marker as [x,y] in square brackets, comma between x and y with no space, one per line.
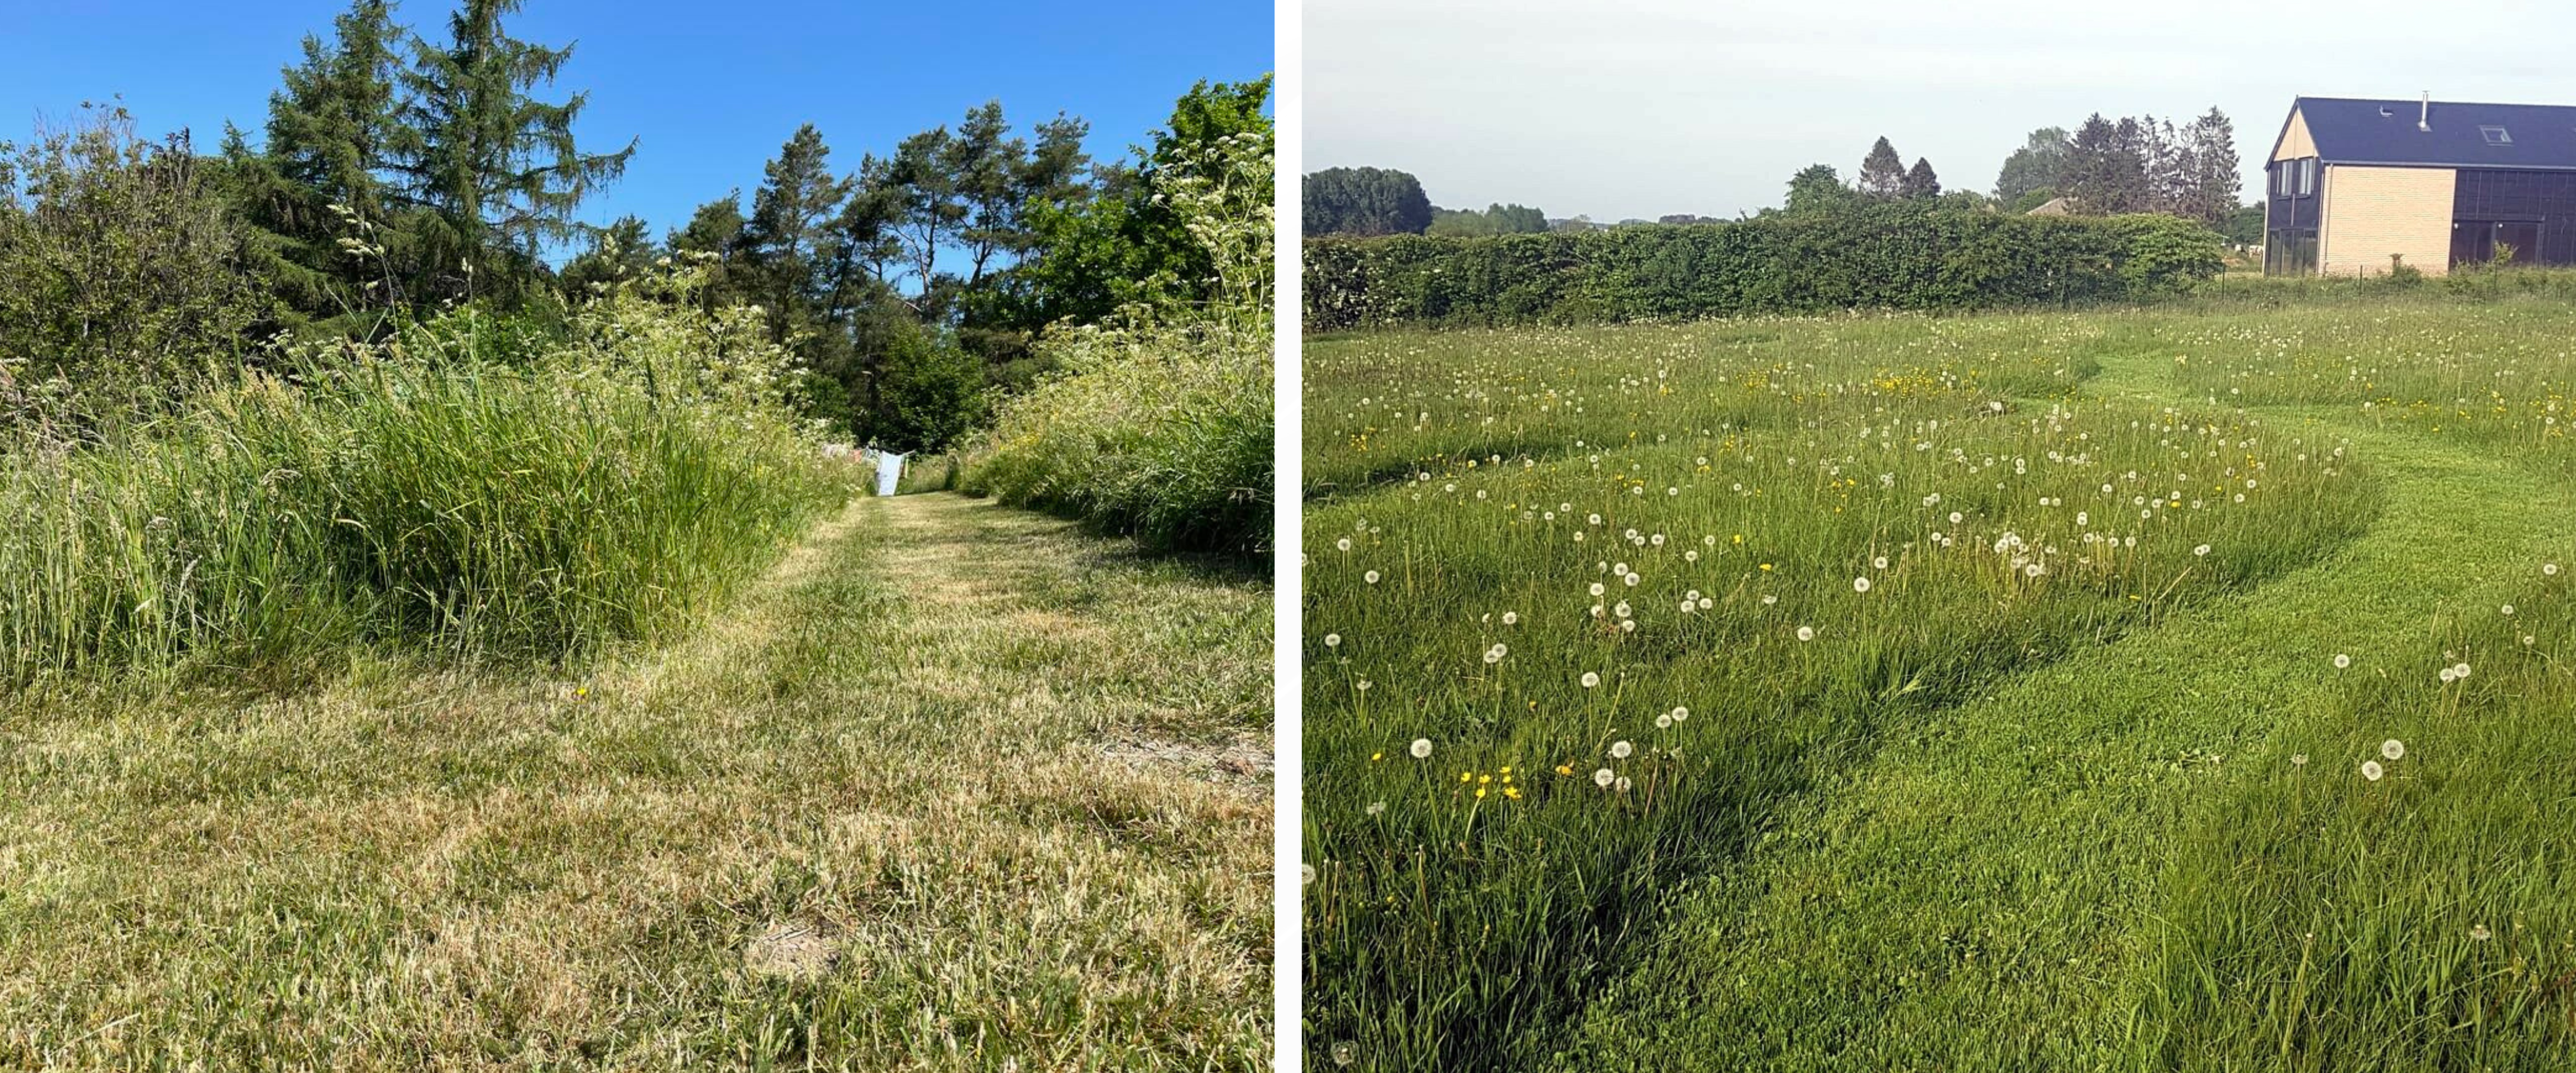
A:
[1541,693]
[2168,853]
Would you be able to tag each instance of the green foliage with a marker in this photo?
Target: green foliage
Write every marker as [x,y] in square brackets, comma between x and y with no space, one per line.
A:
[1882,172]
[121,272]
[1498,219]
[1160,423]
[500,171]
[1159,433]
[2165,254]
[414,494]
[1816,188]
[1894,256]
[2039,165]
[2032,200]
[1364,201]
[929,393]
[2244,225]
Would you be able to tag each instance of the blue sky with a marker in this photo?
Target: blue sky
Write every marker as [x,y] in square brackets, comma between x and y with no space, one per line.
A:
[712,89]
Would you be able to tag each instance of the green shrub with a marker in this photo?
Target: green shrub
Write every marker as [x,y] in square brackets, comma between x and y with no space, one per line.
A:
[1161,434]
[609,492]
[1900,256]
[120,272]
[929,393]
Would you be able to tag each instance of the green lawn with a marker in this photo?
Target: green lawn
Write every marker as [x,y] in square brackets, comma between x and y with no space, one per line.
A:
[955,787]
[1973,823]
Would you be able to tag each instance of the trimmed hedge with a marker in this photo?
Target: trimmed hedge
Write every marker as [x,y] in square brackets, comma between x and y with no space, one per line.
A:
[1882,257]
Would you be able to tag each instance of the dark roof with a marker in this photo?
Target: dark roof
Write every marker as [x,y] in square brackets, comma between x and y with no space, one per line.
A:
[2350,131]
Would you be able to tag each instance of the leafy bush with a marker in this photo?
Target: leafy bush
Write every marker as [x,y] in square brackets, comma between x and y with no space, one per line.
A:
[374,495]
[1898,256]
[120,269]
[929,393]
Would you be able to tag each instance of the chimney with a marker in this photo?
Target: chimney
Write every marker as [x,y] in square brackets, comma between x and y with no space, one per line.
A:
[2425,121]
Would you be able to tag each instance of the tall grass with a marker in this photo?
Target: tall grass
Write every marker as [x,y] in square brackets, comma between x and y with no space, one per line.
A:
[1634,591]
[1162,434]
[438,503]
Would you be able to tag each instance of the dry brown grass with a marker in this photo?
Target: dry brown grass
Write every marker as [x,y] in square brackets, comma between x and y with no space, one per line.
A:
[958,787]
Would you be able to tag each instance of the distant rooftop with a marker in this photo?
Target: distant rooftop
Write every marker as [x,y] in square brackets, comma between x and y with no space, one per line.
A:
[2461,135]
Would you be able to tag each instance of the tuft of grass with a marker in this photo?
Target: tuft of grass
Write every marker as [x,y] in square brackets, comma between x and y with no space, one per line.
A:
[274,522]
[1161,434]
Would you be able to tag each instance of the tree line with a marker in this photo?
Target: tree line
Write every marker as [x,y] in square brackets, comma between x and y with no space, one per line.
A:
[1384,201]
[2132,164]
[404,174]
[2104,167]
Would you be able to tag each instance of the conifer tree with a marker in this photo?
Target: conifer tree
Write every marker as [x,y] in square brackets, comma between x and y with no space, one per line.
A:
[1882,172]
[499,168]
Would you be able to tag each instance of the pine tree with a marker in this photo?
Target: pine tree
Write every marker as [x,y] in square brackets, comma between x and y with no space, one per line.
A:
[1882,172]
[781,241]
[499,168]
[2106,166]
[2215,178]
[2168,166]
[1920,182]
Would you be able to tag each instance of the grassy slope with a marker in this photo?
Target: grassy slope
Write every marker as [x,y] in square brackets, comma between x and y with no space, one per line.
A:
[956,786]
[1986,891]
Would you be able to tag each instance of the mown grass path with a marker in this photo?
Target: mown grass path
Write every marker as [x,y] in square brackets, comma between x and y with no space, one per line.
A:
[957,786]
[1983,892]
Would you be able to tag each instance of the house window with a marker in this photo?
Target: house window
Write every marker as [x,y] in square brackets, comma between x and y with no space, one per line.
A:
[2307,176]
[2496,135]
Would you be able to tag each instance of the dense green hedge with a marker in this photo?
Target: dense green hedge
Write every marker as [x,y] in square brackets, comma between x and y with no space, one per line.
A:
[1885,257]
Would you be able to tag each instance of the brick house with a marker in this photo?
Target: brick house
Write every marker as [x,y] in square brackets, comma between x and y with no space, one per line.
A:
[2439,183]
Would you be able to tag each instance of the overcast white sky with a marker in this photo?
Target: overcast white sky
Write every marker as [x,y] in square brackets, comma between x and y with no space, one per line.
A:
[1638,108]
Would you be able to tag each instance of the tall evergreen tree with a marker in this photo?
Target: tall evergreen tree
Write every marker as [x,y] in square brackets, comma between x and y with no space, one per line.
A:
[1920,182]
[923,172]
[2106,166]
[329,124]
[781,242]
[499,168]
[1882,172]
[2168,165]
[2215,177]
[319,178]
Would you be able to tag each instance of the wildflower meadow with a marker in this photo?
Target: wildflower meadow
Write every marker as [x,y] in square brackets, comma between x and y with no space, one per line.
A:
[2170,687]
